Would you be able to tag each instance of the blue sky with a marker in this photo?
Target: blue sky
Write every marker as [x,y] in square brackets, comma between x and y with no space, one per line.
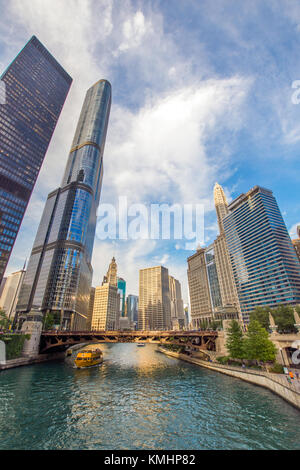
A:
[202,92]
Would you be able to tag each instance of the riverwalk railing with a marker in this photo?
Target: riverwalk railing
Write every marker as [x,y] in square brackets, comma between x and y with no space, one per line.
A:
[281,379]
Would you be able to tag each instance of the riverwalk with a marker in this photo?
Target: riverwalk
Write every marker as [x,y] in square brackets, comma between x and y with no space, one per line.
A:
[26,361]
[277,383]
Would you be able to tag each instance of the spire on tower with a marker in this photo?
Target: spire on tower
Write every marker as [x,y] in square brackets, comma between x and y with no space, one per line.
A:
[221,205]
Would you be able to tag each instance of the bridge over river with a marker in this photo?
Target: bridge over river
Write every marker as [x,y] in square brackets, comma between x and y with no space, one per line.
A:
[54,341]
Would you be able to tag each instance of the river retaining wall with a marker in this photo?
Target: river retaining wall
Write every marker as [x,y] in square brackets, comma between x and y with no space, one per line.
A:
[26,361]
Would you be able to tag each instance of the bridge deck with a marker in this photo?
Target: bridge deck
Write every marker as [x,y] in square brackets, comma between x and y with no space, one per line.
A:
[60,340]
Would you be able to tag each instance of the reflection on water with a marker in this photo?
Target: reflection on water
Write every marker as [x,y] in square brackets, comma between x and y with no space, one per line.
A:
[139,399]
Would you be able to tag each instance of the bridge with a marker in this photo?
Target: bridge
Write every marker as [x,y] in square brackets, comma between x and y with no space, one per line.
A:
[57,340]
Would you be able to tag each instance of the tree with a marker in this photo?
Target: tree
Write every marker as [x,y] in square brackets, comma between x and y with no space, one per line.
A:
[234,341]
[48,321]
[261,314]
[284,318]
[282,314]
[257,345]
[4,321]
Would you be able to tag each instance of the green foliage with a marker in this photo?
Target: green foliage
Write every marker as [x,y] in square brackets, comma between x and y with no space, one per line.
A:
[48,321]
[215,324]
[234,342]
[256,344]
[4,321]
[223,359]
[276,368]
[14,345]
[174,348]
[261,314]
[283,316]
[203,324]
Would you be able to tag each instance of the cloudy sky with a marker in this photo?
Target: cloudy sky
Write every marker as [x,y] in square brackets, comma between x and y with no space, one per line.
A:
[202,92]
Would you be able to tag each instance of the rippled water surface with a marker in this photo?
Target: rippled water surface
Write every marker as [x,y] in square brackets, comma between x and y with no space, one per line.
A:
[139,399]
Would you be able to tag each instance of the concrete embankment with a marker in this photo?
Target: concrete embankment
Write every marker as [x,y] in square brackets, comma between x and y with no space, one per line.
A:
[26,361]
[277,383]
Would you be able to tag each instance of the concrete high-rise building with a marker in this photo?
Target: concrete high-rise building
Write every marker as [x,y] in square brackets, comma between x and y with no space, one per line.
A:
[227,286]
[59,272]
[36,87]
[154,299]
[225,273]
[265,265]
[204,287]
[2,284]
[221,205]
[177,311]
[10,293]
[106,306]
[200,299]
[186,316]
[111,275]
[296,242]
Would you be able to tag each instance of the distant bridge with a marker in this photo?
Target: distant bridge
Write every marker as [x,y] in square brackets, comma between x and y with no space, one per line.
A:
[54,341]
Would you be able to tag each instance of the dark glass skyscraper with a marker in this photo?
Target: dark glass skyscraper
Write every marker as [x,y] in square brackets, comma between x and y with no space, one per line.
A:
[265,265]
[36,88]
[59,273]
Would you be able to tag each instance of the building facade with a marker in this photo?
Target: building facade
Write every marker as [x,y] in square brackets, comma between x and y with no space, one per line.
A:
[122,292]
[200,298]
[265,265]
[90,309]
[105,310]
[59,273]
[296,242]
[132,303]
[177,311]
[36,87]
[10,293]
[154,299]
[228,291]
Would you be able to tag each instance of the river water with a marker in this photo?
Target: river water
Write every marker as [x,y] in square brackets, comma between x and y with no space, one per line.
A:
[139,399]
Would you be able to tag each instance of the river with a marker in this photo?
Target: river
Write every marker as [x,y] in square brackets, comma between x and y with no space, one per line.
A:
[139,399]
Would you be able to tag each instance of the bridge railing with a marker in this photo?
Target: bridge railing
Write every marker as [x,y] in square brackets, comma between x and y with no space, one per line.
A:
[133,332]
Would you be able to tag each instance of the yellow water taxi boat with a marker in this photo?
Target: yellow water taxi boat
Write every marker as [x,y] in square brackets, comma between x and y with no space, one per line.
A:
[88,358]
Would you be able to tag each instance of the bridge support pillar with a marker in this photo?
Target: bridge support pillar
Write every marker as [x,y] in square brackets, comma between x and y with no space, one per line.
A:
[32,345]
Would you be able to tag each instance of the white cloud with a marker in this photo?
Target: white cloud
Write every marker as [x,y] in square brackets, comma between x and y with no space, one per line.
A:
[293,231]
[134,29]
[159,152]
[161,121]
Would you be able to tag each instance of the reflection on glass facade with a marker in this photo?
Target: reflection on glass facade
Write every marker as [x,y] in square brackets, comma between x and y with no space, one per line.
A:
[61,274]
[213,281]
[132,307]
[36,89]
[265,265]
[122,292]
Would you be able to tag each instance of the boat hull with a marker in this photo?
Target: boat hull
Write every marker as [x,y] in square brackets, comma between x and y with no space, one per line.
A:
[81,365]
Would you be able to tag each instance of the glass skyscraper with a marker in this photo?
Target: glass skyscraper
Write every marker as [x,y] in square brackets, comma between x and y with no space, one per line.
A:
[132,307]
[122,292]
[59,272]
[265,265]
[36,87]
